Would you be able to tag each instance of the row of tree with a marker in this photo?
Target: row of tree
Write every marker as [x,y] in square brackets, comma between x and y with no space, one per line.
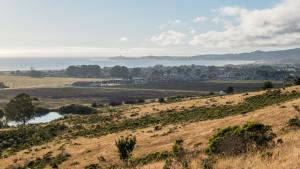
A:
[93,71]
[159,72]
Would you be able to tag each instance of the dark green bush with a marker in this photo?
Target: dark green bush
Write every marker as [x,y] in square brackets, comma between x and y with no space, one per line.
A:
[235,140]
[150,158]
[130,102]
[230,89]
[26,136]
[94,105]
[125,147]
[268,85]
[161,100]
[40,111]
[47,160]
[297,81]
[115,103]
[76,109]
[295,122]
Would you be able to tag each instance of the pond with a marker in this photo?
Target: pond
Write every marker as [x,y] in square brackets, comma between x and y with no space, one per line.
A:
[43,119]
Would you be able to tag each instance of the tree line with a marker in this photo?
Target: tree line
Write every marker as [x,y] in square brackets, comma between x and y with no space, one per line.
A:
[165,73]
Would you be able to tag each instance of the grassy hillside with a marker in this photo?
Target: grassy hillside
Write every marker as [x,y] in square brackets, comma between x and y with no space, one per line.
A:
[89,141]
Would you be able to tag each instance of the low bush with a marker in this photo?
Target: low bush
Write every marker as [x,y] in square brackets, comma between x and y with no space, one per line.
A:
[294,122]
[3,86]
[27,136]
[76,109]
[150,158]
[134,101]
[235,140]
[268,85]
[130,102]
[161,100]
[125,147]
[115,104]
[40,111]
[47,160]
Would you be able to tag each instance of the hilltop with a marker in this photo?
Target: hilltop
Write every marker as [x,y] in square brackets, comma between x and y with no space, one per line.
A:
[277,56]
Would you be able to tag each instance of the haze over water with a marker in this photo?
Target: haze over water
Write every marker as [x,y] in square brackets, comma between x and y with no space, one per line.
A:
[54,63]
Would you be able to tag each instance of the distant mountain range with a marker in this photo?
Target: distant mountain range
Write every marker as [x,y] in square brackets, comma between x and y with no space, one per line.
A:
[279,56]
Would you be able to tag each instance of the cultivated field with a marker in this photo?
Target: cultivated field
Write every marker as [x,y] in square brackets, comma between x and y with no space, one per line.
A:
[208,86]
[64,95]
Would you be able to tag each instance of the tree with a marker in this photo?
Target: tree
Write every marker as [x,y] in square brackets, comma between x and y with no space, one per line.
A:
[35,73]
[230,89]
[268,85]
[20,108]
[136,72]
[84,71]
[125,147]
[119,72]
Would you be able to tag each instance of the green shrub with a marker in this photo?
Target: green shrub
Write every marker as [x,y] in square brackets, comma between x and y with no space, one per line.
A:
[295,122]
[47,160]
[268,85]
[150,158]
[161,100]
[229,90]
[76,109]
[297,81]
[180,154]
[94,105]
[235,140]
[125,147]
[27,136]
[115,104]
[41,111]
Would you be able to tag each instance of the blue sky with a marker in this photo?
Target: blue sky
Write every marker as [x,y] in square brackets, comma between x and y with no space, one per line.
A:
[144,27]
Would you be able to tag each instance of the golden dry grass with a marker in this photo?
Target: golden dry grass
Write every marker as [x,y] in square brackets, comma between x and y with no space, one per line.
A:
[28,82]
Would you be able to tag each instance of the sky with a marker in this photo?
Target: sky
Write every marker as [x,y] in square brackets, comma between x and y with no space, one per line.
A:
[60,28]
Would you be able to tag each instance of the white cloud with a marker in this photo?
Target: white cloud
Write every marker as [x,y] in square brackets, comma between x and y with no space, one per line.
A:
[191,30]
[170,37]
[278,26]
[232,11]
[199,19]
[123,39]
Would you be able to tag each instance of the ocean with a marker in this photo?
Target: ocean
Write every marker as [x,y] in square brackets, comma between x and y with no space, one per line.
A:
[56,63]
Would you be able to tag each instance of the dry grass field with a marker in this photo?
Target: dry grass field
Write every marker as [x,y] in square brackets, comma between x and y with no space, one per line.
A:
[30,82]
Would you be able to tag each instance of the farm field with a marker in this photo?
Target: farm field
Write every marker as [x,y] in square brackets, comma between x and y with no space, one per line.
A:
[53,92]
[208,86]
[59,96]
